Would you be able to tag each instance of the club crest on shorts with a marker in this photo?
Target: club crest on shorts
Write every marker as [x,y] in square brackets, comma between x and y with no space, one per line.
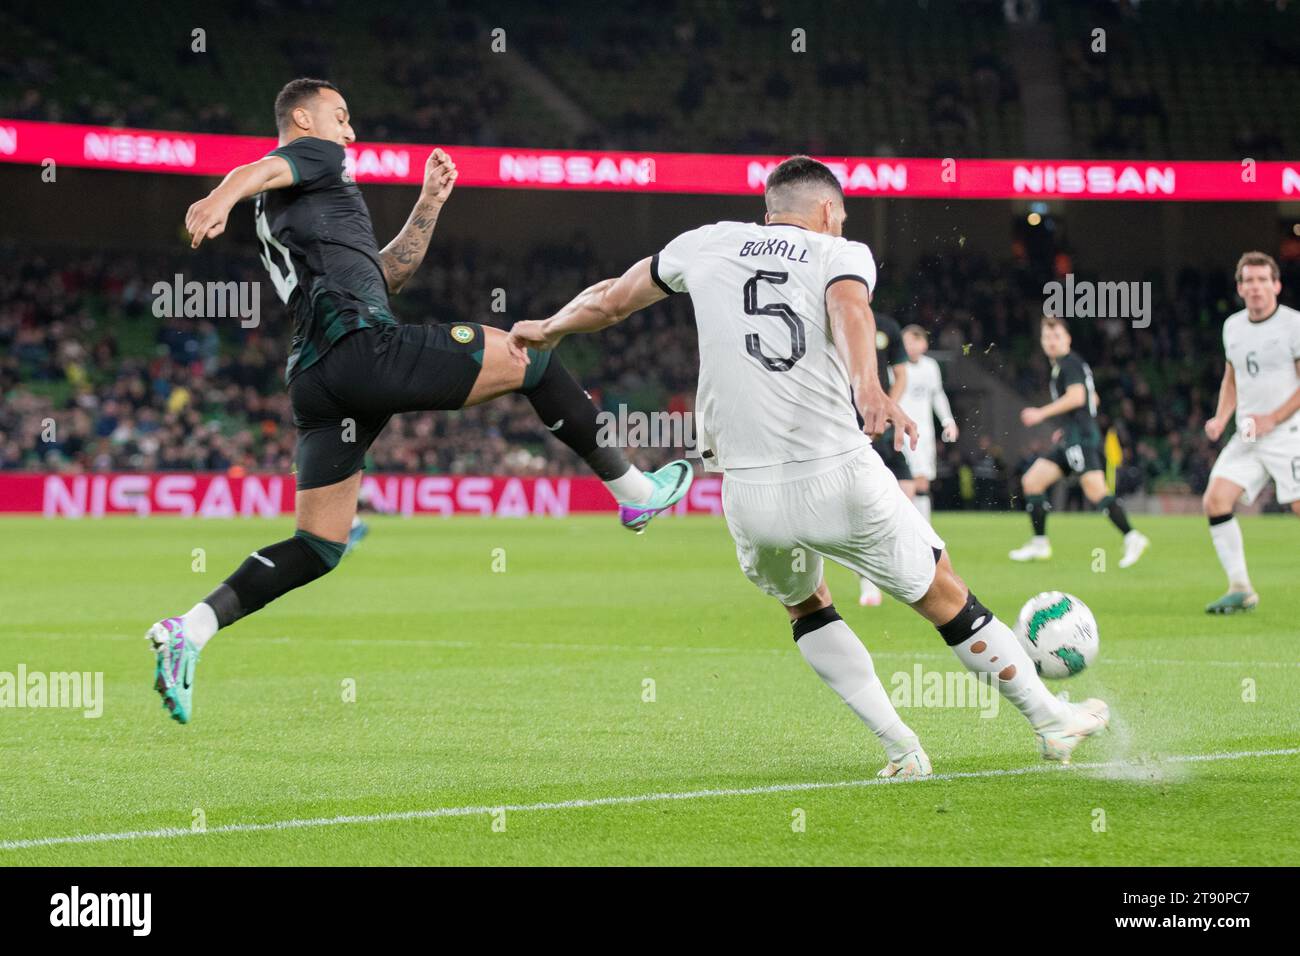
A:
[462,334]
[882,340]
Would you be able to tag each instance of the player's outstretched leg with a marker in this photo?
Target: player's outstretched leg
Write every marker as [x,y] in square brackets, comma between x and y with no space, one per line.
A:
[324,517]
[987,646]
[1095,490]
[1135,542]
[832,649]
[1219,500]
[570,415]
[1042,474]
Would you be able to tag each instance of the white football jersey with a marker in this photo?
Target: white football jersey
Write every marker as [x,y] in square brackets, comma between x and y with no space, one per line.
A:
[772,386]
[1263,356]
[923,399]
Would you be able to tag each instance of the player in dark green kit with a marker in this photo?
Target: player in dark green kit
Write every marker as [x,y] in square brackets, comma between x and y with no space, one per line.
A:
[891,365]
[1077,449]
[352,366]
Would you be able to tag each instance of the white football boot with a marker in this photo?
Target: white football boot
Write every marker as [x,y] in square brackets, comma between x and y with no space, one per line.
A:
[1090,717]
[1038,549]
[912,765]
[1135,542]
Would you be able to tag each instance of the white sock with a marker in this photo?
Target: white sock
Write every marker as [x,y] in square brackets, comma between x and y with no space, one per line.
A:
[633,488]
[922,503]
[839,658]
[356,520]
[993,649]
[1232,553]
[1039,539]
[200,624]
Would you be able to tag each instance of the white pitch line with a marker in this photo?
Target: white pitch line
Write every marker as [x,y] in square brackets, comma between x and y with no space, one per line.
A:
[448,644]
[164,833]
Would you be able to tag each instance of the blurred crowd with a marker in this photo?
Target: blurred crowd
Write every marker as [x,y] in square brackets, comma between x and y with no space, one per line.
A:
[91,380]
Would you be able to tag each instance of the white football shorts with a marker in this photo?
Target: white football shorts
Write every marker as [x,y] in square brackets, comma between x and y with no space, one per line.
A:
[853,512]
[1252,464]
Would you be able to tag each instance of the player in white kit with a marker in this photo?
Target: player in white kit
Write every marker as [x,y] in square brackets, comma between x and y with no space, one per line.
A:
[1261,381]
[786,334]
[924,401]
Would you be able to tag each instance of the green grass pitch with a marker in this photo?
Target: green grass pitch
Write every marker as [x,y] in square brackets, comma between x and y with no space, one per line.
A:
[479,688]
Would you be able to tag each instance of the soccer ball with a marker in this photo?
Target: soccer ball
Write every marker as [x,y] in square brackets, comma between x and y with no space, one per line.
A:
[1059,633]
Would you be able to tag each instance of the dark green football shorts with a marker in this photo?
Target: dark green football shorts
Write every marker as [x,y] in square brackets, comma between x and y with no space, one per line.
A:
[343,401]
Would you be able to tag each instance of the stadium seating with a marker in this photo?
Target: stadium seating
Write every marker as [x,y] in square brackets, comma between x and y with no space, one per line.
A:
[1207,79]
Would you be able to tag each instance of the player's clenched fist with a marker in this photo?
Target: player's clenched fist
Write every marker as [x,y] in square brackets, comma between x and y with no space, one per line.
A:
[206,219]
[439,176]
[1030,417]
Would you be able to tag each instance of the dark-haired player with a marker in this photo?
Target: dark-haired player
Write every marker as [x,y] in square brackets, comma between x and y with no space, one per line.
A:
[787,335]
[352,366]
[1077,451]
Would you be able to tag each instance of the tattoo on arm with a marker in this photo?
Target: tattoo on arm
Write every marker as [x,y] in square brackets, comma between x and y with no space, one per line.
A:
[401,257]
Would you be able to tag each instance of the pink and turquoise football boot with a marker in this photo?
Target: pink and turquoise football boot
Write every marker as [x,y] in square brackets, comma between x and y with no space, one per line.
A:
[671,482]
[174,674]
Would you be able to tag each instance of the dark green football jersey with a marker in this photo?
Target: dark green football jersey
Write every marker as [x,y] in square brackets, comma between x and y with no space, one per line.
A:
[890,350]
[1079,424]
[318,245]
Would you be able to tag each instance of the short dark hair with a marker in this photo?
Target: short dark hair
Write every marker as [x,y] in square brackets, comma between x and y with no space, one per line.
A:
[801,171]
[295,93]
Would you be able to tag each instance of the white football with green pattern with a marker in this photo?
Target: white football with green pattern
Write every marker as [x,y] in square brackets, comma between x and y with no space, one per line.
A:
[1059,633]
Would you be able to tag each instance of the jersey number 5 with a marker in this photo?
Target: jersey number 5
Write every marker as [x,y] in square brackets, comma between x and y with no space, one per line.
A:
[798,345]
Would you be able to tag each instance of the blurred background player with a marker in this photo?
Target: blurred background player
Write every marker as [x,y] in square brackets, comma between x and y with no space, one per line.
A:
[1261,381]
[892,368]
[924,401]
[1077,448]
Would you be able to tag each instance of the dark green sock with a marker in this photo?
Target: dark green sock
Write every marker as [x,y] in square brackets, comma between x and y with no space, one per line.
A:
[1036,505]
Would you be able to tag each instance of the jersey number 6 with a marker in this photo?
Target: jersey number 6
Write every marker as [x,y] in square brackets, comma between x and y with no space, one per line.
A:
[798,346]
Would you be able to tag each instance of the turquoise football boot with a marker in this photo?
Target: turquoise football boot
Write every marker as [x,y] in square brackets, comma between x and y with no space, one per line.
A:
[1234,602]
[174,673]
[671,482]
